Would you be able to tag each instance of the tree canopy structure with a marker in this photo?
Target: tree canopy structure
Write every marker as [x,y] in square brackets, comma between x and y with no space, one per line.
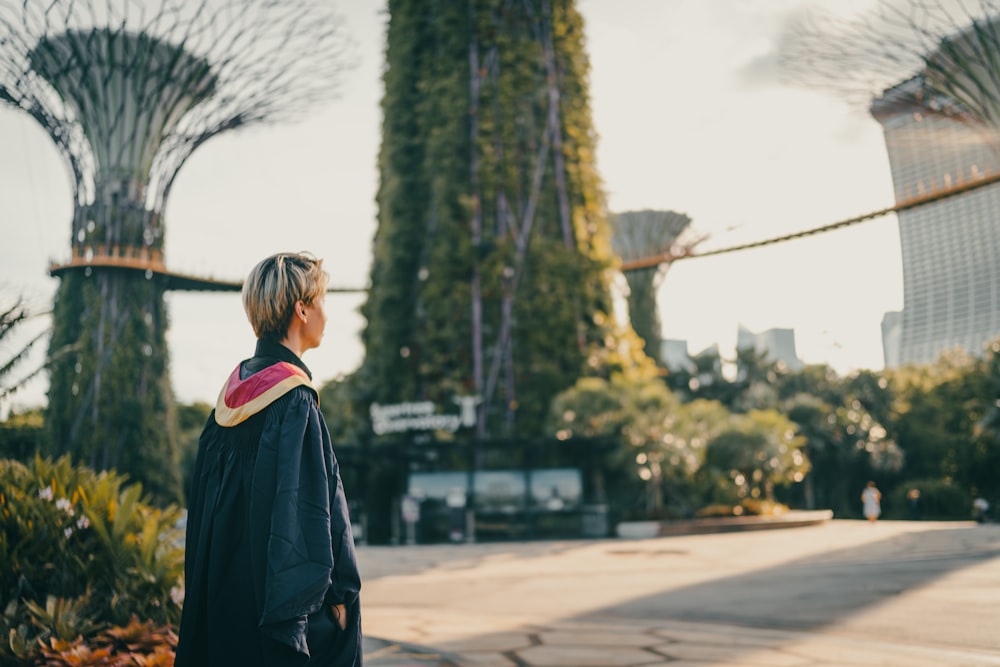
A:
[637,235]
[952,48]
[492,255]
[127,91]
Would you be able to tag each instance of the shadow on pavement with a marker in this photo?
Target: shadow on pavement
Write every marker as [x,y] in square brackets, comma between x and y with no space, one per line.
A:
[877,594]
[757,614]
[817,591]
[414,559]
[387,653]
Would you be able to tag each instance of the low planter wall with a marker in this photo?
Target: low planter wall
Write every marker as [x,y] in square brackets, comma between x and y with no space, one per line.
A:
[645,529]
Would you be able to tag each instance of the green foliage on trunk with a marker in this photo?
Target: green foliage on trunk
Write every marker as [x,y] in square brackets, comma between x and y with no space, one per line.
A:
[491,255]
[110,402]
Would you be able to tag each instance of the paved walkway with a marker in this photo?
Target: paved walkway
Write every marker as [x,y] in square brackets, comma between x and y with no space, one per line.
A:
[388,653]
[895,594]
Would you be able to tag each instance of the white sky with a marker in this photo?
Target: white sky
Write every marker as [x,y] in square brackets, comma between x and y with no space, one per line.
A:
[690,118]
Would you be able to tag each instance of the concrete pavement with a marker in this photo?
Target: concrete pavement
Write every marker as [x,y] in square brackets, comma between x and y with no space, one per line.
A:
[839,594]
[387,653]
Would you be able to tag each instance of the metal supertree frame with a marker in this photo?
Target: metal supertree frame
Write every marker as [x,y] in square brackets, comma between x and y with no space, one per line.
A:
[951,46]
[208,65]
[127,90]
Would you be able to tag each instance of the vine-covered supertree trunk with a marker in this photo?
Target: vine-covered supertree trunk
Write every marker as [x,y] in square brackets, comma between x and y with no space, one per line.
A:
[127,94]
[110,401]
[490,274]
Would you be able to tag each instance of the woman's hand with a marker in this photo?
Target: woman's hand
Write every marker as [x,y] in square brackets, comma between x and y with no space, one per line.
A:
[340,615]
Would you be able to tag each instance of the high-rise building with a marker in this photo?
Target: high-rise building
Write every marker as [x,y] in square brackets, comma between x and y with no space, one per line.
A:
[950,248]
[674,356]
[892,331]
[776,345]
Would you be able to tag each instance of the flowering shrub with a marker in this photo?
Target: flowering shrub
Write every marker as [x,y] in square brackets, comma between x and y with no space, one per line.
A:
[82,552]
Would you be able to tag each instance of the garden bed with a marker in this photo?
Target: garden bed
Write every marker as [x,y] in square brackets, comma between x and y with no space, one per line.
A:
[727,524]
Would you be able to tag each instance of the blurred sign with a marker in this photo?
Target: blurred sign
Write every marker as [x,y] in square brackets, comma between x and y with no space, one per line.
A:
[421,416]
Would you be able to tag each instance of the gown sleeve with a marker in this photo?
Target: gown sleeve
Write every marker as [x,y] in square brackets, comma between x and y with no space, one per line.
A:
[291,510]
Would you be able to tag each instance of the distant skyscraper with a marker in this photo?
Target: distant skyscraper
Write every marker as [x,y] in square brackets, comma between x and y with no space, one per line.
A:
[950,248]
[892,331]
[776,344]
[674,356]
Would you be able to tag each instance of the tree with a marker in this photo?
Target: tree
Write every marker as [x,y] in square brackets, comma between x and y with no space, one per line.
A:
[191,418]
[344,408]
[987,432]
[757,383]
[644,235]
[660,442]
[757,380]
[126,96]
[755,451]
[848,427]
[991,418]
[22,436]
[704,379]
[682,452]
[492,257]
[12,320]
[940,409]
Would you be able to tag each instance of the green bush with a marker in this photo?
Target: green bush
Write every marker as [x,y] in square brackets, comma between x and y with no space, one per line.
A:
[82,552]
[939,500]
[23,436]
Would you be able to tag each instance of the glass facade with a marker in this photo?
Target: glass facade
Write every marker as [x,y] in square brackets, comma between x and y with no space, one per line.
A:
[950,248]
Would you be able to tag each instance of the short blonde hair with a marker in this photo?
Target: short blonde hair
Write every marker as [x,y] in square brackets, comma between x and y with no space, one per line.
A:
[275,285]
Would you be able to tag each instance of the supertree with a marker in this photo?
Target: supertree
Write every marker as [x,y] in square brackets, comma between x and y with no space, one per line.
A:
[492,256]
[951,48]
[127,91]
[643,235]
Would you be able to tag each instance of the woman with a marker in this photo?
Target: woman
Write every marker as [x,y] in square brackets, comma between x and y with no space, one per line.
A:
[271,571]
[871,498]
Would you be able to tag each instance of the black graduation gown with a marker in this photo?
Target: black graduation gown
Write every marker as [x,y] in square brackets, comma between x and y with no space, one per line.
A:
[269,544]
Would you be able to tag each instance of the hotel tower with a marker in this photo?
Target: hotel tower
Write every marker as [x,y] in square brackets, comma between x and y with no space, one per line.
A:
[950,248]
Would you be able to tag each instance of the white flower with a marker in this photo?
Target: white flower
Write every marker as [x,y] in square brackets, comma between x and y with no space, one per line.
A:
[83,522]
[68,531]
[177,595]
[65,505]
[46,493]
